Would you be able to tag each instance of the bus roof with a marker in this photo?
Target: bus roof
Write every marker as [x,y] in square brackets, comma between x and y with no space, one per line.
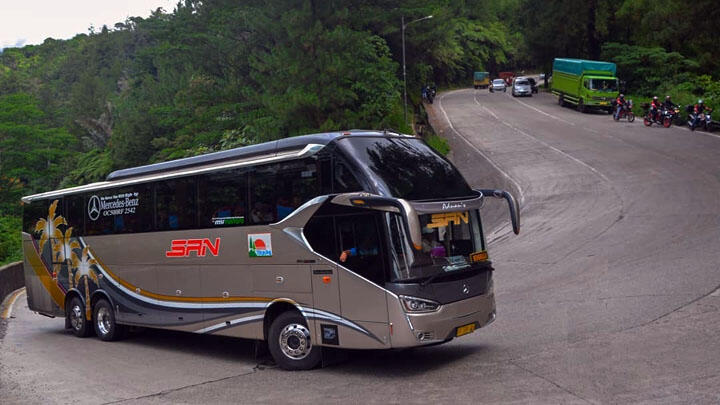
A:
[286,148]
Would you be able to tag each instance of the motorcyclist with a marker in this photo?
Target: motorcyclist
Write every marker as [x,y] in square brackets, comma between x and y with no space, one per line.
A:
[698,113]
[655,107]
[668,104]
[620,101]
[424,92]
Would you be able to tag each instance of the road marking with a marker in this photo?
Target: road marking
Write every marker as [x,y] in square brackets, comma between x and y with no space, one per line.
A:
[715,293]
[506,174]
[507,124]
[9,302]
[542,112]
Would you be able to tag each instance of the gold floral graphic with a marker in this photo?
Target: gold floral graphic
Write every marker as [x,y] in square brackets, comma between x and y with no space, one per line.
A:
[49,227]
[63,252]
[83,270]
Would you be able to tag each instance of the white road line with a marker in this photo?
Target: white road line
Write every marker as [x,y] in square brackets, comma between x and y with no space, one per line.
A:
[573,158]
[542,112]
[498,168]
[10,302]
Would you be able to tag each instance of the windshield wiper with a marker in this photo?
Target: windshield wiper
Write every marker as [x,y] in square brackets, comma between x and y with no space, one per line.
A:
[431,278]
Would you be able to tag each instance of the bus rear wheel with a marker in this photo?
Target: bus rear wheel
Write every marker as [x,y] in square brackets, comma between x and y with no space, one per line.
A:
[104,320]
[290,343]
[75,312]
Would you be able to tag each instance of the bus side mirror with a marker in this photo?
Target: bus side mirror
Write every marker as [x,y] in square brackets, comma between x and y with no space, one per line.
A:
[512,205]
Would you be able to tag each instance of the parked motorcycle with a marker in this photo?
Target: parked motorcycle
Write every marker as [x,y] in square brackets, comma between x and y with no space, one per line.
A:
[663,117]
[625,112]
[705,120]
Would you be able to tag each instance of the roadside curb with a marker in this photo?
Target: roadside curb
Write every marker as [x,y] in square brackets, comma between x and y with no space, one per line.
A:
[7,305]
[11,279]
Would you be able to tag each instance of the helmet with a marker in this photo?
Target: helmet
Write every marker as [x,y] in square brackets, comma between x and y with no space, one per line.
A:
[667,97]
[655,98]
[622,95]
[700,101]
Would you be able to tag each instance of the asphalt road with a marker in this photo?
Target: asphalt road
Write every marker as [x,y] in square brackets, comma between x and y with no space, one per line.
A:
[609,295]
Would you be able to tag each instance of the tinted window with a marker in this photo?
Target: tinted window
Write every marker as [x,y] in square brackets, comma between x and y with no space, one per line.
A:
[319,232]
[359,237]
[298,182]
[176,204]
[34,212]
[406,168]
[121,210]
[75,213]
[263,194]
[344,181]
[223,198]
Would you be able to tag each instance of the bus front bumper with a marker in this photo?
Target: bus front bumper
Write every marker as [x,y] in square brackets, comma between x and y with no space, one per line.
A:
[451,320]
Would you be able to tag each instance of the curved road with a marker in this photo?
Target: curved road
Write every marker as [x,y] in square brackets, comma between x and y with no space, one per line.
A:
[610,293]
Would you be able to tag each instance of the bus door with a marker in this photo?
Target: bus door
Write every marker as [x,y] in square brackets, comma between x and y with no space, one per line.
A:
[362,300]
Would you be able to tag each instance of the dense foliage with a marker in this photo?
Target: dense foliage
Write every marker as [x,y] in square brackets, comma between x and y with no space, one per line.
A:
[215,74]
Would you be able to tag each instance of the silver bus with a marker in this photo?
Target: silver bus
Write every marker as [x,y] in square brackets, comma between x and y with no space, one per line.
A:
[358,239]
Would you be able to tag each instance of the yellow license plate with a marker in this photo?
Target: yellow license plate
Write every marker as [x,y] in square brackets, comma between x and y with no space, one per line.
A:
[464,330]
[603,103]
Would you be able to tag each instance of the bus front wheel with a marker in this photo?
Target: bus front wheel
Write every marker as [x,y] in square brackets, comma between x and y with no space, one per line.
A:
[290,343]
[104,320]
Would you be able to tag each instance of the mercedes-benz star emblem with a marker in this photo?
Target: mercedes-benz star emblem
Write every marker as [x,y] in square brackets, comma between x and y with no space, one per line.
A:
[94,207]
[466,289]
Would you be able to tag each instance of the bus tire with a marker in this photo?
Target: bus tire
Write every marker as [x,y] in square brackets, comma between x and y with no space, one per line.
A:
[75,312]
[104,321]
[290,344]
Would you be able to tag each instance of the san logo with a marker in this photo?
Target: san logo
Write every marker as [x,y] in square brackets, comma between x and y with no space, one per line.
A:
[201,247]
[259,245]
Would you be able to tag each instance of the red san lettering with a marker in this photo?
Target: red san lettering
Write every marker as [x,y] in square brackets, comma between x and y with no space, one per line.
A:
[214,249]
[177,248]
[183,247]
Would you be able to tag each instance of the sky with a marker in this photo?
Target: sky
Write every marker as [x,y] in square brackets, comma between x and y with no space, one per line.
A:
[29,22]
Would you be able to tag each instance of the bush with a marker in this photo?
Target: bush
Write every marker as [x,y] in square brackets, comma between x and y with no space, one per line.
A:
[10,247]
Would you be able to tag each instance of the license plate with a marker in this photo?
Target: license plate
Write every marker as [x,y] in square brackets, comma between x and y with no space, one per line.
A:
[464,330]
[603,103]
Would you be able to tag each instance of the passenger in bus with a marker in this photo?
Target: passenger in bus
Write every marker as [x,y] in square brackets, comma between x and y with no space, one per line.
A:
[261,213]
[283,207]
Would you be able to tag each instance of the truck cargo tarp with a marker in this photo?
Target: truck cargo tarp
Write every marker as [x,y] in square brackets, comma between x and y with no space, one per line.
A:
[480,75]
[578,66]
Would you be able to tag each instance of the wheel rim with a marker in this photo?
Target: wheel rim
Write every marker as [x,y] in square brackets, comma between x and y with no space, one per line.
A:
[295,341]
[103,321]
[76,317]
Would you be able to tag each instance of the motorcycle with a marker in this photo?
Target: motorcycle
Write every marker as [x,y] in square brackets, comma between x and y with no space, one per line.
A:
[675,117]
[429,94]
[705,120]
[625,112]
[662,117]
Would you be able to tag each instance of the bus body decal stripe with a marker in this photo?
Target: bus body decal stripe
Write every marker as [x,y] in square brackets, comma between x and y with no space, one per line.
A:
[38,266]
[234,322]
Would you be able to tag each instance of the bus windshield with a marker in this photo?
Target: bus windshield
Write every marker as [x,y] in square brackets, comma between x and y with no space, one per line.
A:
[448,240]
[406,168]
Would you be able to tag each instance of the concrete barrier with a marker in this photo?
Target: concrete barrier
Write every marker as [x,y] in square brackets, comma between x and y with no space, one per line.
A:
[11,278]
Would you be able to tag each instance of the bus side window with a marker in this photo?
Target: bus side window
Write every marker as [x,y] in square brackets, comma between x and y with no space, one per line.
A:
[263,193]
[175,202]
[223,198]
[75,214]
[321,236]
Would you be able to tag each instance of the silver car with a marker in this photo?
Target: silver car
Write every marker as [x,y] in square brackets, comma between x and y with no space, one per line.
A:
[521,87]
[498,85]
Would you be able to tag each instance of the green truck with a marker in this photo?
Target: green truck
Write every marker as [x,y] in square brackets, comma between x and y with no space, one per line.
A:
[481,80]
[585,84]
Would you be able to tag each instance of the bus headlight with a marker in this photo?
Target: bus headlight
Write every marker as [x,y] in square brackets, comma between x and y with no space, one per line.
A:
[414,304]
